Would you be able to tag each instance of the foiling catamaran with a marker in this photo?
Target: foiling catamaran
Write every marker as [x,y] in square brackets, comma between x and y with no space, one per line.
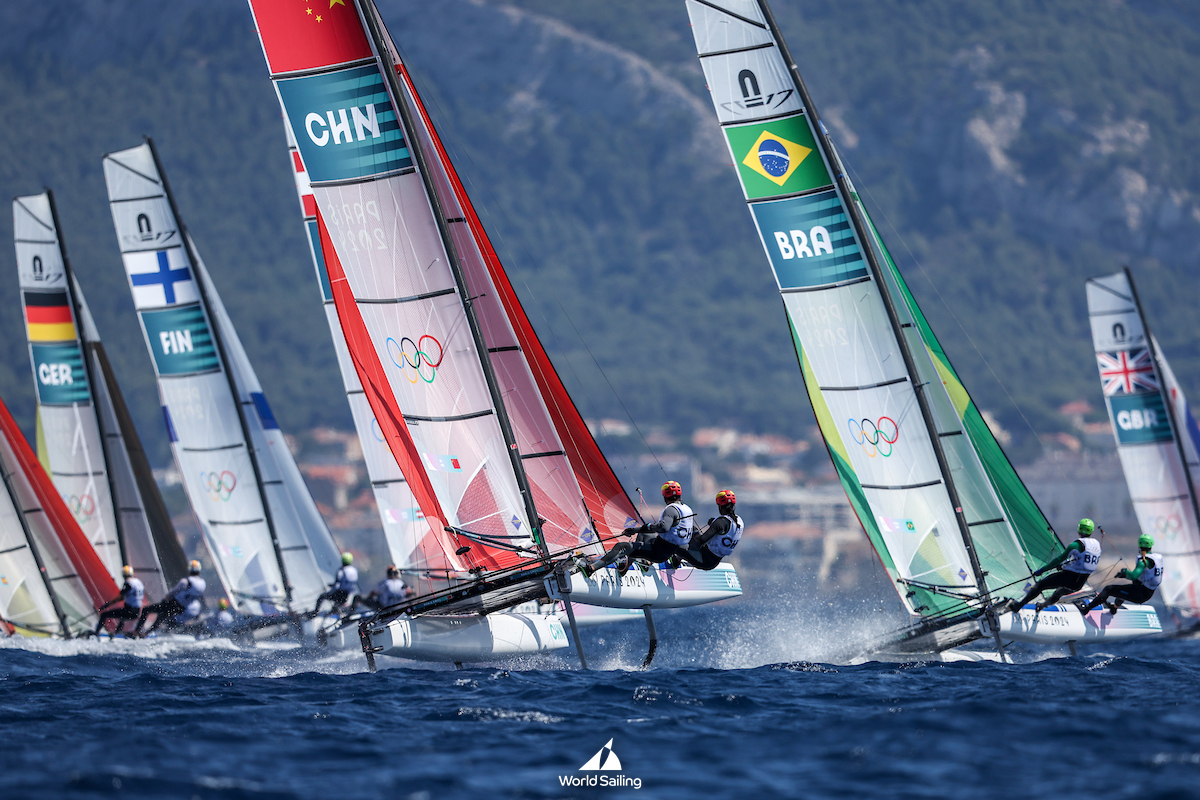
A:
[508,488]
[272,550]
[1157,437]
[51,580]
[953,525]
[86,439]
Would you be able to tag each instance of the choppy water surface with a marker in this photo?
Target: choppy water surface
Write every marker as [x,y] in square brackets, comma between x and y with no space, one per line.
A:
[738,705]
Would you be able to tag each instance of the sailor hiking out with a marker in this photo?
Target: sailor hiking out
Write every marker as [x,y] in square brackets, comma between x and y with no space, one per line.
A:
[224,620]
[659,541]
[344,586]
[388,592]
[133,594]
[716,542]
[182,604]
[1146,577]
[1078,561]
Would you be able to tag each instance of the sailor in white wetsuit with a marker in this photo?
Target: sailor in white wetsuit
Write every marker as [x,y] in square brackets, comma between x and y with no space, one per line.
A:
[182,604]
[344,586]
[133,593]
[224,620]
[388,592]
[1078,561]
[657,542]
[1146,577]
[720,537]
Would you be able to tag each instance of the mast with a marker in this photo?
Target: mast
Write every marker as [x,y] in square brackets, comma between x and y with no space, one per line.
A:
[860,230]
[90,372]
[37,558]
[371,23]
[1162,390]
[237,399]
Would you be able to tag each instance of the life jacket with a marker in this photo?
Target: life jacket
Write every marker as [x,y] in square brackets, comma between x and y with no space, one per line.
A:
[390,591]
[681,532]
[1086,560]
[1152,576]
[346,579]
[133,593]
[723,545]
[189,591]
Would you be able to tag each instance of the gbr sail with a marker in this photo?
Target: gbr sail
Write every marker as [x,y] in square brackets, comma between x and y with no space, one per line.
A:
[271,548]
[943,508]
[85,438]
[1157,438]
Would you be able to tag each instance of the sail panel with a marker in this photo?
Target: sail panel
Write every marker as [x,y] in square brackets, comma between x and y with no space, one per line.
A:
[24,598]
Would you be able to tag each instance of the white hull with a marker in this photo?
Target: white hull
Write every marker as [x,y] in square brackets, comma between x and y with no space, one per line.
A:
[657,588]
[1061,624]
[460,638]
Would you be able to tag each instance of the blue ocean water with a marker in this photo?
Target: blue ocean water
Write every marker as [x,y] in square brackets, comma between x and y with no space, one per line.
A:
[738,704]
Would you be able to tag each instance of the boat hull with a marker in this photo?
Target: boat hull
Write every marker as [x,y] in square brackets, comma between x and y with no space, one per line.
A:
[460,638]
[1059,624]
[657,588]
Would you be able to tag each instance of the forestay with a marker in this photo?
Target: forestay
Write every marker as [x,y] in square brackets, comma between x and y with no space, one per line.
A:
[1155,432]
[82,439]
[903,459]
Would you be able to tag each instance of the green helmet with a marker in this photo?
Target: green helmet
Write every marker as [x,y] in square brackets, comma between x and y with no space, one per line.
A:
[347,558]
[1086,526]
[1145,542]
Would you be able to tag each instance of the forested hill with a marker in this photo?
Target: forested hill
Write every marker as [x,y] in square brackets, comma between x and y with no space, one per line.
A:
[1009,150]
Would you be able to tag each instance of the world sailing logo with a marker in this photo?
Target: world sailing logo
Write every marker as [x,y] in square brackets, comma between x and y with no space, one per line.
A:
[605,760]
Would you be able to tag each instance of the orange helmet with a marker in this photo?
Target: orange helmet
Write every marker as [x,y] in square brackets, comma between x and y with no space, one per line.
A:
[671,490]
[726,497]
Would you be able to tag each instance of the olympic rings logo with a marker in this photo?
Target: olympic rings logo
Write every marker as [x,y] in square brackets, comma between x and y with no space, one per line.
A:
[874,437]
[423,357]
[219,485]
[82,508]
[1167,526]
[376,431]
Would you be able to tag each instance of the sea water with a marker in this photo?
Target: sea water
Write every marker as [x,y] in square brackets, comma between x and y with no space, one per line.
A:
[742,702]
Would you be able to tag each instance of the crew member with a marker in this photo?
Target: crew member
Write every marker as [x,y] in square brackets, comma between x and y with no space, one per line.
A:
[345,585]
[223,620]
[1079,560]
[671,534]
[181,605]
[1146,575]
[707,549]
[388,592]
[133,593]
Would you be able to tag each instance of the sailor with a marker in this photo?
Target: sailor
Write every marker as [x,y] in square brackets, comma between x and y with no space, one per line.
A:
[1080,560]
[224,619]
[133,594]
[659,541]
[388,592]
[1146,575]
[344,586]
[717,541]
[181,605]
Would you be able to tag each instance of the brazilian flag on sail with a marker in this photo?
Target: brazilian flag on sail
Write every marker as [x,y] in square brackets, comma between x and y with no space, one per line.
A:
[777,157]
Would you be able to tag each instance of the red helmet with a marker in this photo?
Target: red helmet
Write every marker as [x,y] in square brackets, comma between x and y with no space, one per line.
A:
[672,490]
[726,497]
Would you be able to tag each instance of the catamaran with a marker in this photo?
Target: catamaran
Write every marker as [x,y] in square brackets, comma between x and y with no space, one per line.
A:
[86,439]
[508,488]
[953,525]
[1157,437]
[52,581]
[272,550]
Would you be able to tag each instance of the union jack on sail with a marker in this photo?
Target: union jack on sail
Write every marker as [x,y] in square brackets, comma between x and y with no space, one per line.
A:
[1127,371]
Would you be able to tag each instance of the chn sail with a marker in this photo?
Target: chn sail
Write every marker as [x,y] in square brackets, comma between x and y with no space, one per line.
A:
[1157,438]
[945,511]
[236,469]
[86,440]
[52,579]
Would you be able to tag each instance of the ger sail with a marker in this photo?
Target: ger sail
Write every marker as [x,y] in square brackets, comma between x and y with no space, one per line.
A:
[484,441]
[273,552]
[1157,438]
[51,579]
[86,438]
[948,516]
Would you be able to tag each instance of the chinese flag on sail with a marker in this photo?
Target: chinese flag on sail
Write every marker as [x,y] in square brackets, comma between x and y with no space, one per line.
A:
[309,34]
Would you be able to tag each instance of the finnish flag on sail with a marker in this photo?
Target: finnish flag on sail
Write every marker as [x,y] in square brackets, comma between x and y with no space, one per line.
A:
[160,278]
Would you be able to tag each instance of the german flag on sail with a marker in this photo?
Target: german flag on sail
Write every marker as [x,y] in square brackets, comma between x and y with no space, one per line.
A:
[48,316]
